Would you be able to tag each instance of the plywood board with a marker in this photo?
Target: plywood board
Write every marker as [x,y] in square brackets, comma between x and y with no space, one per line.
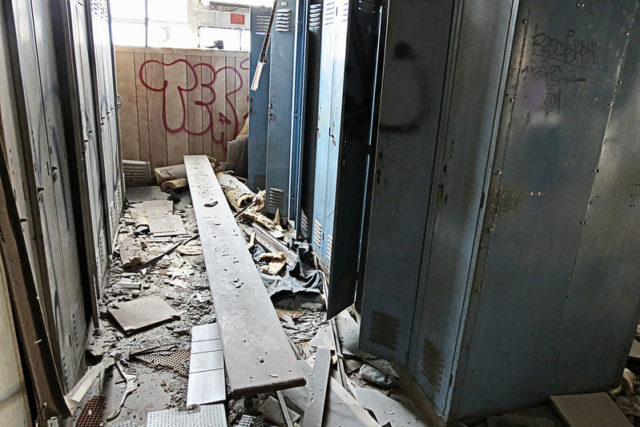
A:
[258,356]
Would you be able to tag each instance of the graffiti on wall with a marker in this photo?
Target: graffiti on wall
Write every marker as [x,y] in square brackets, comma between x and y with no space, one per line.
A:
[196,93]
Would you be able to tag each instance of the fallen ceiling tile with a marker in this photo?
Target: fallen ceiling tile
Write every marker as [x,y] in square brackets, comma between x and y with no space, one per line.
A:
[141,313]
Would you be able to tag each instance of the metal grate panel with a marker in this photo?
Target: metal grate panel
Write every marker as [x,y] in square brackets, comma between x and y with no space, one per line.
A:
[317,233]
[304,223]
[92,413]
[432,363]
[202,416]
[370,6]
[275,197]
[177,361]
[262,24]
[329,247]
[315,16]
[283,20]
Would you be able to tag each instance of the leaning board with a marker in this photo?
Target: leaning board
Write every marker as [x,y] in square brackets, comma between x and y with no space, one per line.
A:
[257,354]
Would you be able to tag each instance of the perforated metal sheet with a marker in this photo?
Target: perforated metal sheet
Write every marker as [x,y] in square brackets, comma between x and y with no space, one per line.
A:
[92,412]
[251,421]
[203,416]
[176,360]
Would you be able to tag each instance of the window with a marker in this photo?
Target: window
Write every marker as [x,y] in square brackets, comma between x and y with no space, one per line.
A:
[165,34]
[127,10]
[128,33]
[169,11]
[232,39]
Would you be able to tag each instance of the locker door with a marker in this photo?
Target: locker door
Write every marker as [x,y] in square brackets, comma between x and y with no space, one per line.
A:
[258,101]
[280,115]
[314,38]
[356,68]
[105,105]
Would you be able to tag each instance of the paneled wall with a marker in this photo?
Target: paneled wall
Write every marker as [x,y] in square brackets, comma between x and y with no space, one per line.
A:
[180,101]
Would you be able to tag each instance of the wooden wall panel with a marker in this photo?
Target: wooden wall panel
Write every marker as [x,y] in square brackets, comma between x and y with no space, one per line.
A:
[142,109]
[126,75]
[187,101]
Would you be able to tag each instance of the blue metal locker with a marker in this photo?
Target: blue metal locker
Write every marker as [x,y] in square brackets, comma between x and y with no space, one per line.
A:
[281,108]
[503,236]
[310,119]
[258,101]
[348,64]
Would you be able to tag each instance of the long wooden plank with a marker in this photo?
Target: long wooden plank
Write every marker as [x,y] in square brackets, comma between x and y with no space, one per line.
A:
[257,353]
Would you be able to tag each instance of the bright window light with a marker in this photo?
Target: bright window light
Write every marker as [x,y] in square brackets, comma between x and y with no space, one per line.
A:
[127,33]
[169,10]
[238,2]
[232,38]
[163,34]
[127,10]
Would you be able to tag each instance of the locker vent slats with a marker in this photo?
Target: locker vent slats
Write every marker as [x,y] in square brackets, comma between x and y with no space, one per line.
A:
[315,16]
[283,20]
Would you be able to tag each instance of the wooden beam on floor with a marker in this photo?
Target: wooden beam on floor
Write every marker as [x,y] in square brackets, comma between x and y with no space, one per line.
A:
[257,354]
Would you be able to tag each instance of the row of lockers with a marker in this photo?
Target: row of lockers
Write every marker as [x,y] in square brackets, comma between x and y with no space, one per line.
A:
[467,173]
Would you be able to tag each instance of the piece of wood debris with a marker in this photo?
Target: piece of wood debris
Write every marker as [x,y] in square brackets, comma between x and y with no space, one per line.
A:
[314,411]
[206,366]
[174,184]
[628,382]
[131,253]
[270,243]
[142,313]
[74,397]
[168,173]
[260,219]
[591,409]
[275,265]
[257,353]
[238,194]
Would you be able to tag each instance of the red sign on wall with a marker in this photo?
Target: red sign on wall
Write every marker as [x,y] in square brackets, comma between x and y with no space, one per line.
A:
[237,18]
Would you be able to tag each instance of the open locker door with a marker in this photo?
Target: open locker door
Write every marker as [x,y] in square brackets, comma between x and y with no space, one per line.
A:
[351,34]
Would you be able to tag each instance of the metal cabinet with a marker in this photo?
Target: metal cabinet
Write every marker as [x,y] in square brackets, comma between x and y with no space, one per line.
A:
[348,68]
[258,101]
[502,240]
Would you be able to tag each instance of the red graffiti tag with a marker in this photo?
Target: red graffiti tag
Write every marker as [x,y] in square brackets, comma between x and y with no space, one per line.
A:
[203,77]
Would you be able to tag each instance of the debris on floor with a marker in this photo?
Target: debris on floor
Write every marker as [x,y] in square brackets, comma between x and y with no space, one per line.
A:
[206,366]
[141,313]
[158,292]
